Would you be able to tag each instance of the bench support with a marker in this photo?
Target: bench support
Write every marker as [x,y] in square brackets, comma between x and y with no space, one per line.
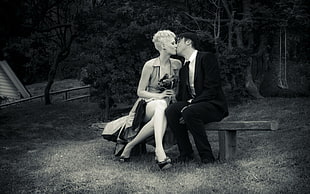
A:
[227,131]
[227,145]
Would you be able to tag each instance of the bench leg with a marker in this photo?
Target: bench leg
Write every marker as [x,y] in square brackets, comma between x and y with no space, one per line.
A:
[227,145]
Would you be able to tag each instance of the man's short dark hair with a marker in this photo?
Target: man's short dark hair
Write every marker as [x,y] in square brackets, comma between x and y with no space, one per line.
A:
[190,36]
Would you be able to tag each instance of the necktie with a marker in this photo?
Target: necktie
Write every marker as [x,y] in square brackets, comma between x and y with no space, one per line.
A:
[186,67]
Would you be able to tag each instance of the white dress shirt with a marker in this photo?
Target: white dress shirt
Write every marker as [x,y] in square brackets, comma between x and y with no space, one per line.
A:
[192,63]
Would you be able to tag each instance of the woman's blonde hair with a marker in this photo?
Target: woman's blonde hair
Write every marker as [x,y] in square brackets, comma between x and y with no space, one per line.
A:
[160,37]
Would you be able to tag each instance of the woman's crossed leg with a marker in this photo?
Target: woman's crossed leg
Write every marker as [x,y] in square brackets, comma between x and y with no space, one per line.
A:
[156,124]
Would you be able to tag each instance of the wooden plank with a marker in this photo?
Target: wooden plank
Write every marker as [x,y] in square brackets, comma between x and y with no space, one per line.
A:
[9,72]
[52,93]
[6,89]
[71,89]
[21,101]
[9,92]
[7,86]
[78,97]
[242,126]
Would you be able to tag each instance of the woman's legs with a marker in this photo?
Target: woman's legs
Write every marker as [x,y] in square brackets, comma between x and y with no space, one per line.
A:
[160,125]
[157,123]
[144,133]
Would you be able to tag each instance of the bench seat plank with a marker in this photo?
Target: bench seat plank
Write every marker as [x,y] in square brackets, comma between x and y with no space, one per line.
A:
[242,126]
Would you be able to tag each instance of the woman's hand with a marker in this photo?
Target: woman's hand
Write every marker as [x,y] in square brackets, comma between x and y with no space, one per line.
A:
[166,94]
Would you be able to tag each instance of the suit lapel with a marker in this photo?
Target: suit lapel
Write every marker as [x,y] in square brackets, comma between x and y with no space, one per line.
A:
[184,90]
[197,65]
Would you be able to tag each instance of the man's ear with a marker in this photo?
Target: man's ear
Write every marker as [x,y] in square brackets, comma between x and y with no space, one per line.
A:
[188,41]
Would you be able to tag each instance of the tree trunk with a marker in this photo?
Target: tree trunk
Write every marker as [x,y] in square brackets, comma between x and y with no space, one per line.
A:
[51,77]
[230,32]
[250,86]
[230,15]
[107,105]
[239,37]
[271,80]
[47,92]
[249,83]
[261,60]
[58,57]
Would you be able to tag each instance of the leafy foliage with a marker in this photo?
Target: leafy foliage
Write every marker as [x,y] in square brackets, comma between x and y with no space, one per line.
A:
[114,38]
[116,44]
[245,33]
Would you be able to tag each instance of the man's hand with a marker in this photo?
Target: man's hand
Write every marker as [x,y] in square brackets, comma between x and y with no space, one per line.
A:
[183,108]
[181,121]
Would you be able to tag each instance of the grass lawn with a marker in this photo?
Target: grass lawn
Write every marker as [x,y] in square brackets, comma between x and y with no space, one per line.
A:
[53,149]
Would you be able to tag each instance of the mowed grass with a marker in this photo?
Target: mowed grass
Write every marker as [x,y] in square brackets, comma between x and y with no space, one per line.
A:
[53,149]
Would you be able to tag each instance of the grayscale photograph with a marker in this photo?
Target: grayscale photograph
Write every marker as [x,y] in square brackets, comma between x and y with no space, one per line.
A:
[149,97]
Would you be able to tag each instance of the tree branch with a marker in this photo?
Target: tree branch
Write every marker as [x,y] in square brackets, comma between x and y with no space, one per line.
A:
[239,21]
[49,28]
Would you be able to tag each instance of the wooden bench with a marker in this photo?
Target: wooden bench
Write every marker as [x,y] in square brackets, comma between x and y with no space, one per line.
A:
[227,131]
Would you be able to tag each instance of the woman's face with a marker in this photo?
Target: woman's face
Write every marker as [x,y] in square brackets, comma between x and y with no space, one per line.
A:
[180,46]
[170,45]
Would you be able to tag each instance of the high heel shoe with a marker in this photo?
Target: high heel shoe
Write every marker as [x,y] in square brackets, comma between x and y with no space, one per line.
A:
[123,159]
[168,160]
[163,165]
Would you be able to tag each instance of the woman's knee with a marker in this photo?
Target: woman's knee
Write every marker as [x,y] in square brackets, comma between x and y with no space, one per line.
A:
[155,107]
[160,104]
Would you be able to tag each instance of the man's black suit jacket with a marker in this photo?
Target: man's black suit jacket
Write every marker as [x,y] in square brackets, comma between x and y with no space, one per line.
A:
[207,83]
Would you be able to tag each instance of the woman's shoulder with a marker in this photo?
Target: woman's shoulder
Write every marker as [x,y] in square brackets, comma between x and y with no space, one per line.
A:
[150,62]
[149,65]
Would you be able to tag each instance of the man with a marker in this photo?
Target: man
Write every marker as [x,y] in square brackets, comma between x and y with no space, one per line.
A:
[200,99]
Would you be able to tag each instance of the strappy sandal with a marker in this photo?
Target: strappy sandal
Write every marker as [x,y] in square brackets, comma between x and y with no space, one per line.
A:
[163,165]
[123,159]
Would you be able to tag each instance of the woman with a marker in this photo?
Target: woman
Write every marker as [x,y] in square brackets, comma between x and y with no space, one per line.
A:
[157,79]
